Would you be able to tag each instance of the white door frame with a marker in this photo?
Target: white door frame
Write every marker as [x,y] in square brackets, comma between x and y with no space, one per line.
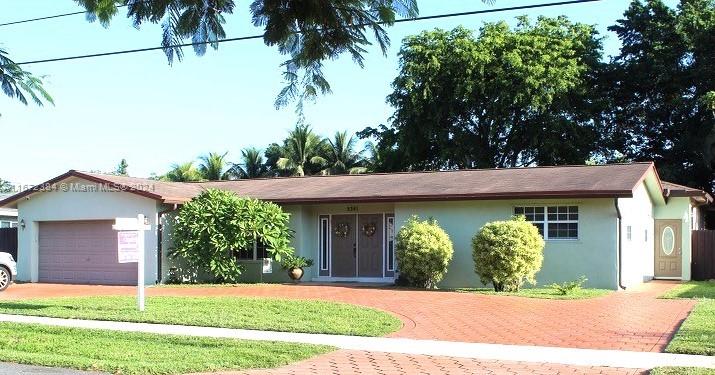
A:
[357,278]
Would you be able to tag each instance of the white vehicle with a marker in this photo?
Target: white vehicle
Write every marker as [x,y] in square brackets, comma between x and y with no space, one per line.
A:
[8,270]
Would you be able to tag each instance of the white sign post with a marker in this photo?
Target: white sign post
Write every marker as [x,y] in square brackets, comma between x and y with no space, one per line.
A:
[130,248]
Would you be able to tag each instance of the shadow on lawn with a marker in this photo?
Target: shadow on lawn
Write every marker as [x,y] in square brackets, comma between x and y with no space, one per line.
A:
[8,307]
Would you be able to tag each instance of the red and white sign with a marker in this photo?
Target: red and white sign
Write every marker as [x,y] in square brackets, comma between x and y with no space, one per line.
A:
[128,246]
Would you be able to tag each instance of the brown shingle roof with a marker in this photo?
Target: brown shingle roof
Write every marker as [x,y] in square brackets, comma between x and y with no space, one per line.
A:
[675,190]
[614,180]
[567,181]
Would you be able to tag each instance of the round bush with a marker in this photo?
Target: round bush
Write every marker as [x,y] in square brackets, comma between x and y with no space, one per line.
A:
[424,251]
[508,253]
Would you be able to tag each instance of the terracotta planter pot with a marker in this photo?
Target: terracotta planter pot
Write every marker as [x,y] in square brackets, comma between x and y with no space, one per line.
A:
[295,273]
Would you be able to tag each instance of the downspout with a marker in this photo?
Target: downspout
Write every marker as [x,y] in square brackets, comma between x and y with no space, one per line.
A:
[620,246]
[159,240]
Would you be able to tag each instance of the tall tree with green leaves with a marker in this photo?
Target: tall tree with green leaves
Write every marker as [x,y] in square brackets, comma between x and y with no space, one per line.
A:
[373,160]
[661,97]
[301,153]
[306,32]
[502,97]
[19,84]
[122,168]
[341,157]
[6,186]
[214,167]
[185,172]
[252,164]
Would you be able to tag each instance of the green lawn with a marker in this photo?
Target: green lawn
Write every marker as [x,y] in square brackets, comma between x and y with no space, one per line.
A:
[682,371]
[544,293]
[229,312]
[140,353]
[697,334]
[692,289]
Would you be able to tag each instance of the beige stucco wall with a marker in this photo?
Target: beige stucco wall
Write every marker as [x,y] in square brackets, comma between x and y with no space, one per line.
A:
[638,259]
[593,254]
[59,205]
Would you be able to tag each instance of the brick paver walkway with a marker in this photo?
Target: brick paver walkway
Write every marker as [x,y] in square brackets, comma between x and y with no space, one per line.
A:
[348,362]
[631,320]
[626,320]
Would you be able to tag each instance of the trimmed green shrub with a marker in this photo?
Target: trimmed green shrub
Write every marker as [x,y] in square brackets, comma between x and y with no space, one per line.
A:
[424,251]
[508,253]
[214,226]
[569,287]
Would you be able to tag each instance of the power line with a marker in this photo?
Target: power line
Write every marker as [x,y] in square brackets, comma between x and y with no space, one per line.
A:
[61,15]
[249,37]
[49,17]
[41,18]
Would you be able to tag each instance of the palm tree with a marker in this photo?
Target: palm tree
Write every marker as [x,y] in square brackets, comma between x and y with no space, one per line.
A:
[252,164]
[373,161]
[341,156]
[182,173]
[301,152]
[213,167]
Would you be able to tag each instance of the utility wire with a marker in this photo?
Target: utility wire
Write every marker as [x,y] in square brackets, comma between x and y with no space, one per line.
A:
[49,17]
[249,37]
[59,15]
[42,18]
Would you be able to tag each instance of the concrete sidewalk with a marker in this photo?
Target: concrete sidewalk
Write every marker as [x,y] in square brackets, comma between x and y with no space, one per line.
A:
[526,353]
[18,369]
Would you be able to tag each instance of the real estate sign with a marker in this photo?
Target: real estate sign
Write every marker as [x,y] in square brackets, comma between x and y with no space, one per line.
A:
[128,246]
[130,239]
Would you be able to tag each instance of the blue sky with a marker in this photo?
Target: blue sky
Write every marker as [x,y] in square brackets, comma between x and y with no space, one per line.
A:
[139,108]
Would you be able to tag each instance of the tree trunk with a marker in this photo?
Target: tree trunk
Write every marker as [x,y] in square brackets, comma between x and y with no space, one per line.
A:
[498,287]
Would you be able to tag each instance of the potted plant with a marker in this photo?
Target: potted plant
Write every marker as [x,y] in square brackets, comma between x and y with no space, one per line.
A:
[294,265]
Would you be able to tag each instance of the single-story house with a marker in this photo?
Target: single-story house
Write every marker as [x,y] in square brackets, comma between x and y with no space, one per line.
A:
[8,216]
[617,224]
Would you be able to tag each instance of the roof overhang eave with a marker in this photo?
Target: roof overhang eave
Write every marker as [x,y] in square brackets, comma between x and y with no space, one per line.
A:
[11,202]
[456,197]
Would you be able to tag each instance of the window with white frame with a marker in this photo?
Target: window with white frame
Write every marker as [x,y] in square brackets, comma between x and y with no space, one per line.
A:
[553,222]
[7,224]
[629,232]
[390,243]
[324,242]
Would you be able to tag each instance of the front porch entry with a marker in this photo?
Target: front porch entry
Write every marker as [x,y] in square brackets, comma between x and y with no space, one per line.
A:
[357,247]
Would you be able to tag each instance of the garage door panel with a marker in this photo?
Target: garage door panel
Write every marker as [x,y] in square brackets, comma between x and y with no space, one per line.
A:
[82,253]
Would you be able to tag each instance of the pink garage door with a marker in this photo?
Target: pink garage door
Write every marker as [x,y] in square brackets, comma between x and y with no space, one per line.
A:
[82,252]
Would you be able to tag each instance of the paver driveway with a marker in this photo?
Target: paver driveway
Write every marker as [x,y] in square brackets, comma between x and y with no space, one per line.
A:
[626,320]
[348,362]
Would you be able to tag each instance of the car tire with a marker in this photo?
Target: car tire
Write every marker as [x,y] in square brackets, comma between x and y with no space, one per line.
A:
[5,278]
